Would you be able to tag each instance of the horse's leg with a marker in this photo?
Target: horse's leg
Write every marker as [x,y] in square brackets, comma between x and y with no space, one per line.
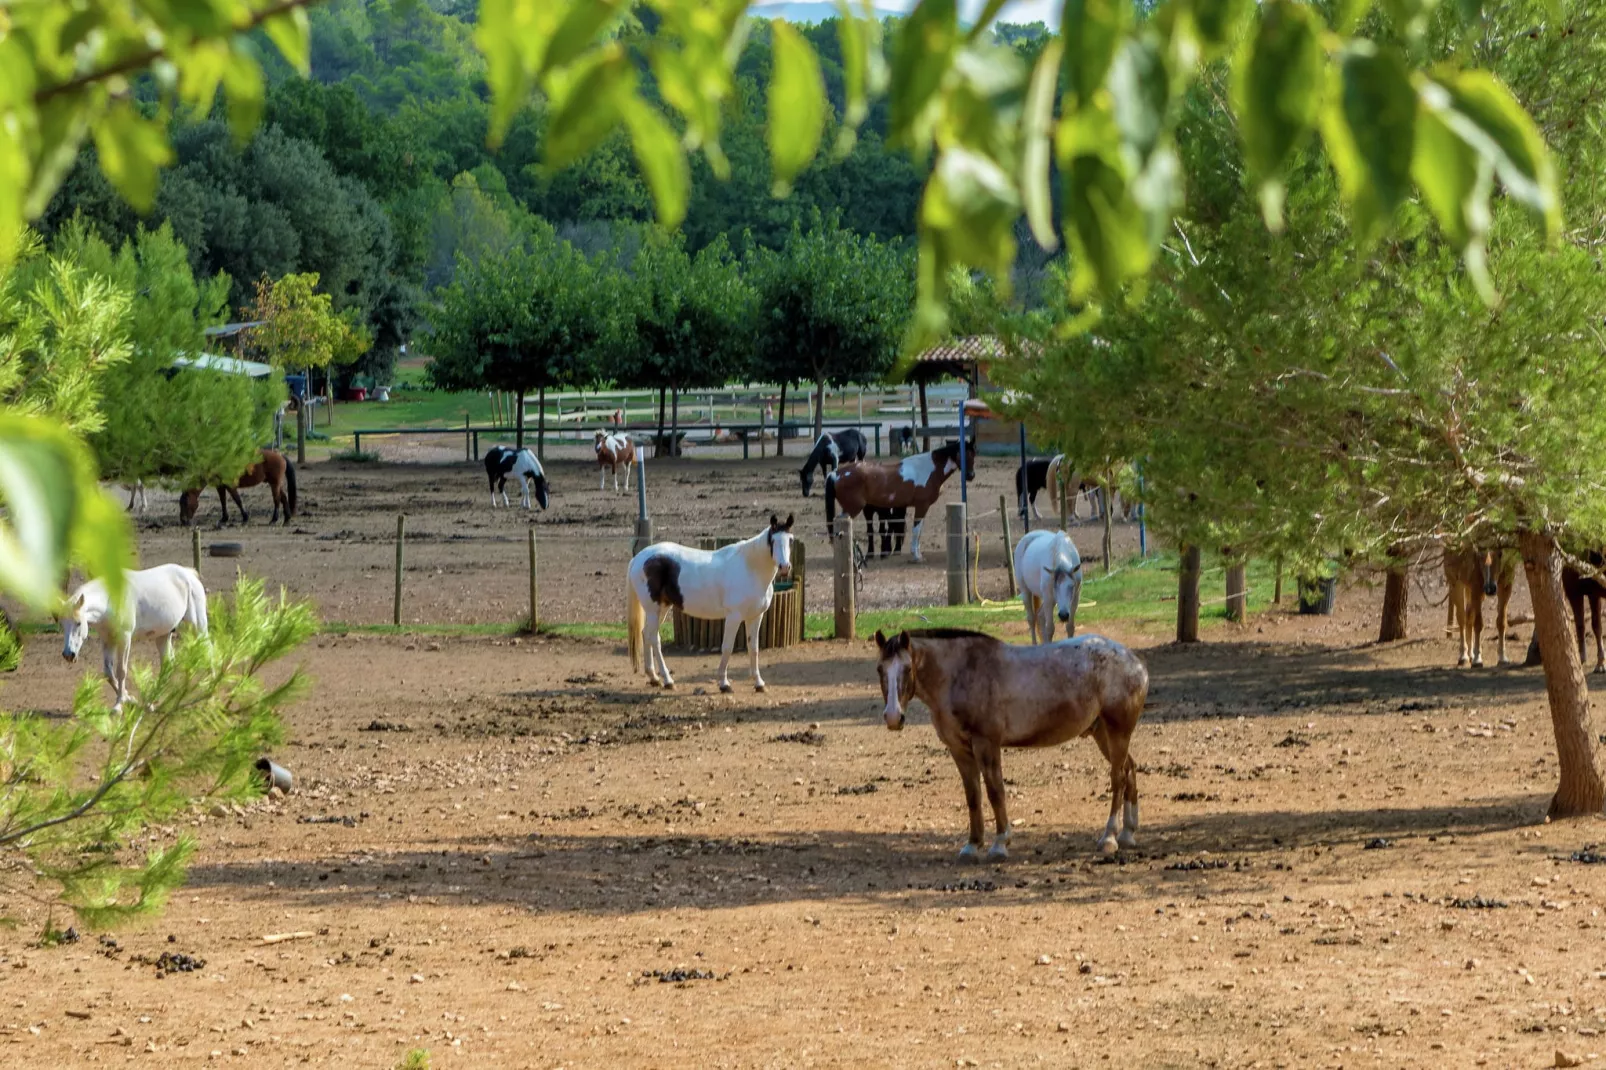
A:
[1502,620]
[970,776]
[223,503]
[1476,631]
[1115,750]
[1045,618]
[245,518]
[989,756]
[602,471]
[727,647]
[1030,600]
[656,635]
[1129,830]
[125,649]
[753,627]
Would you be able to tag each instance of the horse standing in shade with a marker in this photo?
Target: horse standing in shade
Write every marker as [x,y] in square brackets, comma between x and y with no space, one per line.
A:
[735,583]
[1049,570]
[1472,575]
[1579,589]
[832,450]
[502,462]
[912,483]
[274,469]
[155,602]
[985,695]
[1031,477]
[614,448]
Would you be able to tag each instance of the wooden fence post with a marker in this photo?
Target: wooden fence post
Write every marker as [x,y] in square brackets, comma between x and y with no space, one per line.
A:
[195,549]
[401,535]
[1009,547]
[846,623]
[1277,586]
[958,580]
[535,619]
[1237,591]
[1188,596]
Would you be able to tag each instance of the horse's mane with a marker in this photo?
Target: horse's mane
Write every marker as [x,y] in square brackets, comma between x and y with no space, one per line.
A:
[947,633]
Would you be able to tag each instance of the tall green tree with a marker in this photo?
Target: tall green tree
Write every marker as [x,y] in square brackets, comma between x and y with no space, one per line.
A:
[532,319]
[688,324]
[832,309]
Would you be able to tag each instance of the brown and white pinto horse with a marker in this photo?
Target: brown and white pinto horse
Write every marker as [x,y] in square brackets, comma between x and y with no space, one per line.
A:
[912,483]
[274,469]
[614,448]
[1471,576]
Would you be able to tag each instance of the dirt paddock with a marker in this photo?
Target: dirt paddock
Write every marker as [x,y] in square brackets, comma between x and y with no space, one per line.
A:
[513,854]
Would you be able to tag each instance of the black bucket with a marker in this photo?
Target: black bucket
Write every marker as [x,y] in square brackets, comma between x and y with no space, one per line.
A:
[1316,597]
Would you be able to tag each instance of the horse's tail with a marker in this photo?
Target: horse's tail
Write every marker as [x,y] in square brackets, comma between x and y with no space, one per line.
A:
[196,611]
[635,625]
[830,498]
[1051,482]
[290,488]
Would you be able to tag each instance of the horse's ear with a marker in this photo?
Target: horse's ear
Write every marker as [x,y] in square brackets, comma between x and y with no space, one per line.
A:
[902,642]
[78,601]
[775,521]
[880,639]
[788,525]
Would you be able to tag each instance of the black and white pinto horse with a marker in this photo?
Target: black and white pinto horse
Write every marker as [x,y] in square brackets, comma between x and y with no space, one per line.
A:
[1030,479]
[832,449]
[503,462]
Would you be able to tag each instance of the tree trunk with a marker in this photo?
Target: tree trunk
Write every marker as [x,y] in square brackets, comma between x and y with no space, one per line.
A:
[1237,591]
[518,421]
[819,408]
[1582,790]
[540,428]
[674,422]
[1396,596]
[780,426]
[1109,481]
[1277,585]
[661,393]
[1188,596]
[925,420]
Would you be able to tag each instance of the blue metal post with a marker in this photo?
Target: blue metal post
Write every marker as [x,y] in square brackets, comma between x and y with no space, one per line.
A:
[1025,490]
[964,485]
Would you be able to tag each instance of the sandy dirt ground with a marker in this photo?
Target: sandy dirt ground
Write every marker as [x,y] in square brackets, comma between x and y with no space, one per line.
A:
[512,853]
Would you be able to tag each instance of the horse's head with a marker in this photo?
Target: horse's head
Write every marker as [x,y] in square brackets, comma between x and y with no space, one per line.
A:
[539,482]
[1490,584]
[601,440]
[806,474]
[948,455]
[1067,583]
[896,669]
[74,626]
[779,536]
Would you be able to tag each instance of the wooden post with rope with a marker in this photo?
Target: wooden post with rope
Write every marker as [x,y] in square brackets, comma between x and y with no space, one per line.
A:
[846,615]
[401,537]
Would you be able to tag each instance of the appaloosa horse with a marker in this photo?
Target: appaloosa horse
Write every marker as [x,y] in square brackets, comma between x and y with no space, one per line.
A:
[912,483]
[831,450]
[614,448]
[1472,575]
[274,469]
[985,695]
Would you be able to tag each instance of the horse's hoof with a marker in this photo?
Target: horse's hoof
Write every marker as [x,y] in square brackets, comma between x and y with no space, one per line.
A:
[1600,669]
[1461,663]
[669,685]
[1126,839]
[998,853]
[725,687]
[760,687]
[968,853]
[1108,846]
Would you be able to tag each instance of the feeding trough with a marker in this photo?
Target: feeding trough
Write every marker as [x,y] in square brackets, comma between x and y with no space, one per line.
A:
[782,625]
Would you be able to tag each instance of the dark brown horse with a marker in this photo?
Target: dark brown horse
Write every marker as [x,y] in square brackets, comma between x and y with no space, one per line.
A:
[912,483]
[1579,589]
[274,469]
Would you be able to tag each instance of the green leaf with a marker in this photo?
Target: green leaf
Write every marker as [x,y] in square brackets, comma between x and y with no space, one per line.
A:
[926,43]
[1485,115]
[588,101]
[132,150]
[1277,92]
[1092,30]
[1455,182]
[1140,93]
[291,34]
[864,68]
[1037,127]
[579,31]
[662,160]
[1219,21]
[1349,14]
[242,82]
[1378,106]
[796,105]
[1107,229]
[1410,17]
[513,36]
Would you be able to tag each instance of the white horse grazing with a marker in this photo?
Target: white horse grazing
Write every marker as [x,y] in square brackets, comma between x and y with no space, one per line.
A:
[1049,571]
[734,583]
[155,602]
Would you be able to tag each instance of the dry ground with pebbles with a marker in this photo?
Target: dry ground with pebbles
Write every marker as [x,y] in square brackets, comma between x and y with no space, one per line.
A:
[513,854]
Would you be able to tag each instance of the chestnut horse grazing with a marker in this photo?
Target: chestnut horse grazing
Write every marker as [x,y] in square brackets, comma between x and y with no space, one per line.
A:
[914,483]
[1472,575]
[614,448]
[985,695]
[274,469]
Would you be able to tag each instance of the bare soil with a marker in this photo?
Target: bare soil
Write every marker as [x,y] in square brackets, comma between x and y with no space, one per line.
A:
[514,854]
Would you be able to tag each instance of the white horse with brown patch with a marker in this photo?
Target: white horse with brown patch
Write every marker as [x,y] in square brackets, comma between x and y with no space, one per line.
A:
[985,695]
[614,448]
[1049,570]
[735,583]
[155,602]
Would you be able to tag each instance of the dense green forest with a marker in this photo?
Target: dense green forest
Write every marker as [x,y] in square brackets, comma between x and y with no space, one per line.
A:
[375,172]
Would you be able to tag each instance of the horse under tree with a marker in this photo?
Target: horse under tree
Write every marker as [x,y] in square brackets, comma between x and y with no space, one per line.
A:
[912,483]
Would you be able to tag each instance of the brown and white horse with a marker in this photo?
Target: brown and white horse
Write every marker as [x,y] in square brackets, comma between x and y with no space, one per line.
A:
[985,695]
[614,448]
[274,469]
[1472,575]
[912,483]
